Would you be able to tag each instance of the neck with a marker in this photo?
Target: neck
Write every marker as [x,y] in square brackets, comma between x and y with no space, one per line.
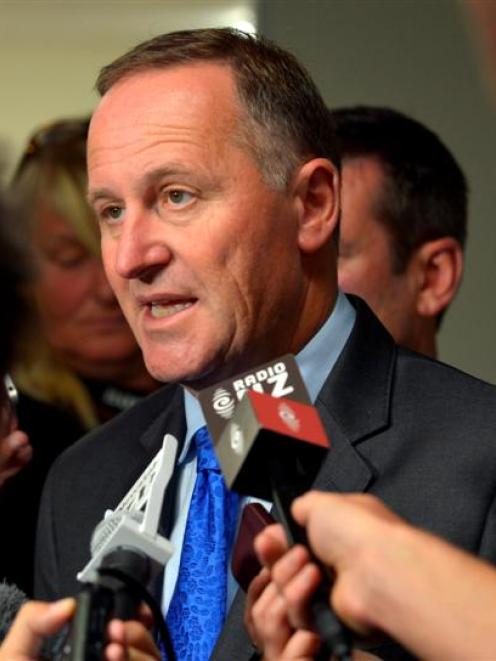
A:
[427,345]
[319,299]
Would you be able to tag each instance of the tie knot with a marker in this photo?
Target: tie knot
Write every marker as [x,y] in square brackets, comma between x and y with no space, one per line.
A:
[205,454]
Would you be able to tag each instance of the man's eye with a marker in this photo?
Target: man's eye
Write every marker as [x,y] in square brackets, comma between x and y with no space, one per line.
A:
[112,213]
[178,197]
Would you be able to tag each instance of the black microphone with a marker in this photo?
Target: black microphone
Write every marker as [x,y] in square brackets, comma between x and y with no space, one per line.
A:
[271,444]
[128,553]
[11,600]
[272,448]
[110,595]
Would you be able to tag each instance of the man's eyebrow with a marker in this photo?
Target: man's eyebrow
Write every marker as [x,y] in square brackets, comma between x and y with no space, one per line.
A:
[158,173]
[147,180]
[93,196]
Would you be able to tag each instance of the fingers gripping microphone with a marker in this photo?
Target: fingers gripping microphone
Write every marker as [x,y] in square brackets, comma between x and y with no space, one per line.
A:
[272,448]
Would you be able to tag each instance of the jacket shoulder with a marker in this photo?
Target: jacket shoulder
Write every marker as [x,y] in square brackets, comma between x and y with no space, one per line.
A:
[431,374]
[122,433]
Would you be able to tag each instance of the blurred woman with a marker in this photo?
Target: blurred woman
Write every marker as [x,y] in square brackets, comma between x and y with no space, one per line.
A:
[85,358]
[77,361]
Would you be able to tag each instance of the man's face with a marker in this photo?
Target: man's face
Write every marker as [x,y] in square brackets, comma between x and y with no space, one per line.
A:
[200,252]
[365,259]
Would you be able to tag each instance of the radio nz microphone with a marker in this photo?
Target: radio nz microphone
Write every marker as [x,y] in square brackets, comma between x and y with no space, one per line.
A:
[279,378]
[272,448]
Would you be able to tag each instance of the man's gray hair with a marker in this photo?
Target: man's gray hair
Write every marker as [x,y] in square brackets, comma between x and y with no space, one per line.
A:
[286,121]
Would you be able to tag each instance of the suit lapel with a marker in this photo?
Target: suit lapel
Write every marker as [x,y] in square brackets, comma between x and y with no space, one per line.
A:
[171,420]
[354,402]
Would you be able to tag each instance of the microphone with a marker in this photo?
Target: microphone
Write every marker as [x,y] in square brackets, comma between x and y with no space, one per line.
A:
[127,554]
[134,522]
[11,600]
[271,443]
[279,378]
[272,448]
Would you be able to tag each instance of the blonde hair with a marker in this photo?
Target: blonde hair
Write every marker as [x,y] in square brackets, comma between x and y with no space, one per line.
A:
[52,173]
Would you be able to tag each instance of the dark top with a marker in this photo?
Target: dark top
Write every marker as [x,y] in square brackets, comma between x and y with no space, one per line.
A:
[109,399]
[50,430]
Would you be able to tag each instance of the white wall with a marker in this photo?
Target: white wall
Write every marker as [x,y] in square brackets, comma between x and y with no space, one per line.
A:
[51,51]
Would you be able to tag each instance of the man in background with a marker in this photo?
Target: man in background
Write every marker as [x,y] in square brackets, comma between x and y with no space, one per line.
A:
[403,223]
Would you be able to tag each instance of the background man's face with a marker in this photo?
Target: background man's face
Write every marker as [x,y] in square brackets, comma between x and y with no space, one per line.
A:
[201,254]
[365,261]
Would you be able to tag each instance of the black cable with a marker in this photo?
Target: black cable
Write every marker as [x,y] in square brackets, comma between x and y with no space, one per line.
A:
[143,594]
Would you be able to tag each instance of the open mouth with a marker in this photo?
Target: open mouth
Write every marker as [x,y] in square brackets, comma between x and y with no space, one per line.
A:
[159,310]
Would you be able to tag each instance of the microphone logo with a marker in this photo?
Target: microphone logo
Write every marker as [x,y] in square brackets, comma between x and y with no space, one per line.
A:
[288,416]
[237,439]
[223,403]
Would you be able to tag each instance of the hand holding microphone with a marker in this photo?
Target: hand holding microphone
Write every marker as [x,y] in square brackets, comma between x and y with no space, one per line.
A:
[27,629]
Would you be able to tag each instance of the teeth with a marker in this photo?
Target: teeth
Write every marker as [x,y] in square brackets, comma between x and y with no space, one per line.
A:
[158,311]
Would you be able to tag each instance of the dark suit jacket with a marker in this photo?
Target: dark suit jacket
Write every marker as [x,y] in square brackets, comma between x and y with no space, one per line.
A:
[417,433]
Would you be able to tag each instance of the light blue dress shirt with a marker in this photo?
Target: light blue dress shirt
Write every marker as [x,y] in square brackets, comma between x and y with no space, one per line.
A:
[315,361]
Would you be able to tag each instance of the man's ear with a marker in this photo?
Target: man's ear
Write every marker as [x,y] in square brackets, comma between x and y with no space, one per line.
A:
[316,193]
[439,266]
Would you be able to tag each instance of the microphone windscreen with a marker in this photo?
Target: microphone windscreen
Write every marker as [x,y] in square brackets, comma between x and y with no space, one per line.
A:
[11,600]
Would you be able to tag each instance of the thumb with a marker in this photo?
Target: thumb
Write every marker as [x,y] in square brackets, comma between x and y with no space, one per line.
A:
[34,621]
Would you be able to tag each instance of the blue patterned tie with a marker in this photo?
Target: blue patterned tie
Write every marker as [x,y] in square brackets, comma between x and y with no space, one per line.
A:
[198,607]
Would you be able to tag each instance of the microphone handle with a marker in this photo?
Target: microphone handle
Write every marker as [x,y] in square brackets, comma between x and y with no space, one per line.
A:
[87,633]
[335,636]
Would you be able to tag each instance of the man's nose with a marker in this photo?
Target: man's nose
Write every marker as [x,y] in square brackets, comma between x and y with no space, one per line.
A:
[141,250]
